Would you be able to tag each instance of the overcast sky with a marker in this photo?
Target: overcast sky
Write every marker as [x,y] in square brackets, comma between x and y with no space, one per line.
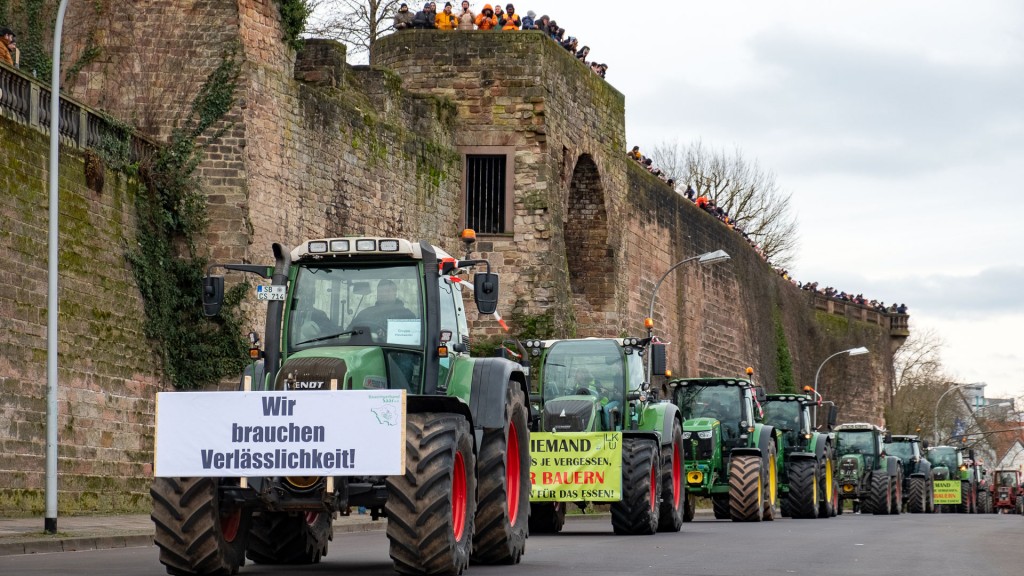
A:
[898,126]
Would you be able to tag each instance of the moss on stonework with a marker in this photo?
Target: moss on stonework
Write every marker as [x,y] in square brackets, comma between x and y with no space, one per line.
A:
[785,381]
[832,324]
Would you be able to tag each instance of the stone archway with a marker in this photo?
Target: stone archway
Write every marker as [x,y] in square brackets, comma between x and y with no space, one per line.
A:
[591,260]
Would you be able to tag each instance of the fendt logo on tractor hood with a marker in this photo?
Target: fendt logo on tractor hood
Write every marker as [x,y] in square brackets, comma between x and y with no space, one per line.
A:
[305,384]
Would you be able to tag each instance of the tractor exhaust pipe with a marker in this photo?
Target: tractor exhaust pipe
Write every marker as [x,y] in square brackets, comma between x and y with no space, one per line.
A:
[275,314]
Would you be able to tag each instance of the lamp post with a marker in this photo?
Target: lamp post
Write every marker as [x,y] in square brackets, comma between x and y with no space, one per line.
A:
[702,259]
[852,352]
[935,419]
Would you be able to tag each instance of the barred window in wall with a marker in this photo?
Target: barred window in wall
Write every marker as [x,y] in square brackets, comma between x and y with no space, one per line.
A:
[485,193]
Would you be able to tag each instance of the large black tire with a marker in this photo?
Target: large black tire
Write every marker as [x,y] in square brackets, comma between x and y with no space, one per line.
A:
[195,531]
[289,538]
[917,496]
[826,484]
[673,485]
[964,507]
[896,503]
[431,507]
[879,501]
[637,511]
[690,507]
[785,508]
[984,502]
[770,481]
[803,488]
[503,498]
[746,489]
[720,506]
[839,507]
[547,517]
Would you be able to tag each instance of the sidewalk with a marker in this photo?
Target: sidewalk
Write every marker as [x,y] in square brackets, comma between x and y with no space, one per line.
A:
[75,533]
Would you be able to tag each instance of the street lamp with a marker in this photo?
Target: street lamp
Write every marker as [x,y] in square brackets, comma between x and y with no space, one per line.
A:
[935,419]
[852,352]
[702,259]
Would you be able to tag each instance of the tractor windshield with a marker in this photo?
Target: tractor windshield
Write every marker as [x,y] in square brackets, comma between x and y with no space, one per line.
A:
[944,457]
[719,401]
[1006,479]
[784,415]
[368,305]
[902,450]
[855,442]
[584,367]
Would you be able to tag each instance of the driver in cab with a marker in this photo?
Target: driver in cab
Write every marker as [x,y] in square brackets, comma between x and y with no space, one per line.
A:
[386,307]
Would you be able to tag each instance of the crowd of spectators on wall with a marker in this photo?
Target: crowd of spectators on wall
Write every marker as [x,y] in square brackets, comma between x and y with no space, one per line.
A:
[492,18]
[707,203]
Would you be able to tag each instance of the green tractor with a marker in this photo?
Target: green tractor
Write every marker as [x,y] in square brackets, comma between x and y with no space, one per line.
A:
[918,490]
[806,478]
[731,457]
[598,385]
[868,477]
[370,313]
[948,463]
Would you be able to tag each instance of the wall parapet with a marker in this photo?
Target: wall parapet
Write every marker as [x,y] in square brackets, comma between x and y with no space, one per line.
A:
[26,100]
[897,324]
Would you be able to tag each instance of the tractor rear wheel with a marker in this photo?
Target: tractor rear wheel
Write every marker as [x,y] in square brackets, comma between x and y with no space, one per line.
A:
[917,497]
[964,507]
[720,506]
[896,505]
[503,506]
[673,486]
[803,489]
[880,498]
[637,511]
[289,538]
[196,532]
[431,507]
[547,517]
[746,489]
[984,502]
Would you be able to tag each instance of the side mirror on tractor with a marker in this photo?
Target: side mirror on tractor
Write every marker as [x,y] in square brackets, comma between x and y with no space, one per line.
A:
[833,416]
[760,394]
[213,294]
[659,360]
[888,436]
[485,292]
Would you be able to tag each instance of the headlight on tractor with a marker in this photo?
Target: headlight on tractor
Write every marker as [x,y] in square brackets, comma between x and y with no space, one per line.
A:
[686,435]
[704,434]
[694,477]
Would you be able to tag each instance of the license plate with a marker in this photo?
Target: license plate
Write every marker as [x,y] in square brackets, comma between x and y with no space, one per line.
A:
[270,292]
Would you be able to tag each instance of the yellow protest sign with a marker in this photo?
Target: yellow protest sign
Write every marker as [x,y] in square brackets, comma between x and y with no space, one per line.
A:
[576,466]
[947,491]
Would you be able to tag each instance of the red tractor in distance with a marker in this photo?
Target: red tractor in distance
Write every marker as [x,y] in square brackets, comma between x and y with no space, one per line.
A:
[1008,491]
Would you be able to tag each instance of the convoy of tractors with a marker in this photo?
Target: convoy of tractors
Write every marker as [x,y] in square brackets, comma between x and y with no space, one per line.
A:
[354,315]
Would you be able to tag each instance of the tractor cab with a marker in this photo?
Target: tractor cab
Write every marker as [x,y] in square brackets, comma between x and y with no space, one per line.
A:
[790,414]
[586,385]
[729,401]
[947,463]
[908,449]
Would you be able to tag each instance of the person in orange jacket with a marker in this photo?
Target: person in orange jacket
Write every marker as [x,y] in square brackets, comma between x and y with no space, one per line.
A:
[486,20]
[446,20]
[510,20]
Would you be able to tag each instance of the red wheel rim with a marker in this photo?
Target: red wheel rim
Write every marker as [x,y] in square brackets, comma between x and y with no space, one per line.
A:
[677,476]
[512,473]
[459,496]
[229,525]
[654,487]
[312,517]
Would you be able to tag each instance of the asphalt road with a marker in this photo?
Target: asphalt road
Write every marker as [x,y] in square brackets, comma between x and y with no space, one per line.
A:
[850,545]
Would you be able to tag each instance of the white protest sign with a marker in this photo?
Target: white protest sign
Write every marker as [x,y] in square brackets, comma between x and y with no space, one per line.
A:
[297,433]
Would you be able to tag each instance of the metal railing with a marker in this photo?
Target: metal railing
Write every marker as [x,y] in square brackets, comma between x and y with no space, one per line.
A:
[26,100]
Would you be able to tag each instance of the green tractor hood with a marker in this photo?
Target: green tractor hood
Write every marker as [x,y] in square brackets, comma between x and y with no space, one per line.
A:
[351,367]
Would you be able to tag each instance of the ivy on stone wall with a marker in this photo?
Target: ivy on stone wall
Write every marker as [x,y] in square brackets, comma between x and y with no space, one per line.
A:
[39,16]
[294,14]
[785,381]
[167,267]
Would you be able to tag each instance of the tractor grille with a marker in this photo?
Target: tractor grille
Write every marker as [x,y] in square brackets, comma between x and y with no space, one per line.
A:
[704,448]
[568,415]
[311,374]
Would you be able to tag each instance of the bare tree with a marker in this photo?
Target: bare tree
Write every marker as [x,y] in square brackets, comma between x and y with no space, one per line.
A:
[747,192]
[356,23]
[918,385]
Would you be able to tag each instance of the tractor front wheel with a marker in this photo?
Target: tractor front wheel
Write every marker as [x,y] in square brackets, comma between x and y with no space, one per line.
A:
[771,484]
[503,507]
[746,489]
[431,507]
[690,507]
[196,532]
[637,511]
[896,506]
[803,489]
[880,498]
[917,497]
[673,487]
[289,538]
[547,517]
